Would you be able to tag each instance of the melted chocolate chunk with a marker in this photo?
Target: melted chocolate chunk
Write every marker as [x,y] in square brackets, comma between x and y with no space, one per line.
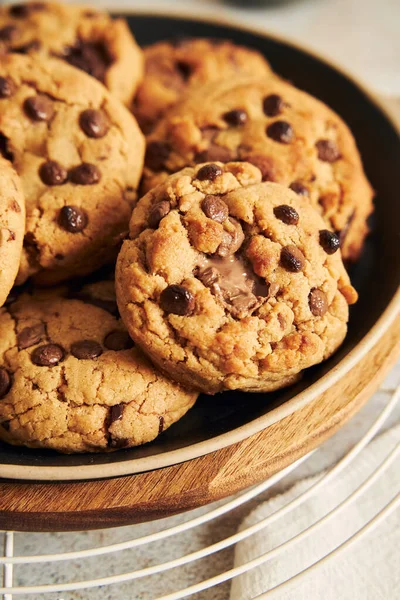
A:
[299,188]
[287,214]
[327,151]
[85,174]
[232,239]
[92,57]
[280,131]
[118,340]
[39,108]
[5,382]
[214,208]
[7,87]
[329,241]
[30,336]
[318,302]
[73,219]
[210,172]
[86,349]
[52,173]
[116,413]
[94,123]
[48,355]
[156,155]
[273,105]
[158,212]
[235,117]
[178,300]
[292,259]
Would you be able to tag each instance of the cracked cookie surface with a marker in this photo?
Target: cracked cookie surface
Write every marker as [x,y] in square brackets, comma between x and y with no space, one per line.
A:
[12,227]
[79,154]
[71,380]
[229,283]
[175,68]
[292,137]
[82,36]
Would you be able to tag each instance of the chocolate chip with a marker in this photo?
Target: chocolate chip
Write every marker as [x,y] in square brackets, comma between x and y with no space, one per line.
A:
[30,336]
[280,131]
[160,424]
[5,382]
[32,46]
[184,69]
[273,105]
[4,148]
[318,302]
[299,188]
[39,108]
[8,33]
[287,214]
[52,173]
[118,340]
[156,155]
[266,165]
[158,212]
[327,151]
[86,349]
[329,241]
[215,153]
[214,208]
[211,172]
[7,87]
[116,413]
[85,174]
[177,300]
[235,117]
[72,219]
[48,355]
[232,239]
[94,123]
[92,57]
[118,443]
[292,259]
[24,10]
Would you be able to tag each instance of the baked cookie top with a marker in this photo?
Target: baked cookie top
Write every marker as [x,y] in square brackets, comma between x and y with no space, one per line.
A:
[292,137]
[173,68]
[81,35]
[79,153]
[229,283]
[71,380]
[12,226]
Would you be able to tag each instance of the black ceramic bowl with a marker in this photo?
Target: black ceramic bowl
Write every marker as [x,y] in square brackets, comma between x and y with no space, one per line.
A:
[226,418]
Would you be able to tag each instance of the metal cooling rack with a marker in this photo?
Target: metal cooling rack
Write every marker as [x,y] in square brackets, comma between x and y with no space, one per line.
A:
[11,562]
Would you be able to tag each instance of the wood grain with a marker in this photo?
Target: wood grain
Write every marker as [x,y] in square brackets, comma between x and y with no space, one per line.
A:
[157,494]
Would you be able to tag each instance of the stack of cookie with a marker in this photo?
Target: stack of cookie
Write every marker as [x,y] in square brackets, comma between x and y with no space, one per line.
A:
[225,216]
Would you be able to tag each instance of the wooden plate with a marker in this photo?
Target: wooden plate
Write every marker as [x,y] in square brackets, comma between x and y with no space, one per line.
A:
[229,418]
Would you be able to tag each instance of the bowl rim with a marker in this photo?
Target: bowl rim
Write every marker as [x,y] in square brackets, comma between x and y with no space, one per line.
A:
[172,457]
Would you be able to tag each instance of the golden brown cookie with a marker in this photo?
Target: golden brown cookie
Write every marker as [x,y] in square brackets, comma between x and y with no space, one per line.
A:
[175,68]
[12,226]
[79,153]
[229,283]
[292,137]
[81,35]
[71,380]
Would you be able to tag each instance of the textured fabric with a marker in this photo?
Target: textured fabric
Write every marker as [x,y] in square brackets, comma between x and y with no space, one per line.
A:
[367,571]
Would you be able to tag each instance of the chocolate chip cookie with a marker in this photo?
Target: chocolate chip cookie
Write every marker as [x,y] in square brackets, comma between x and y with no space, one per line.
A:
[230,283]
[84,37]
[174,68]
[12,226]
[292,137]
[79,153]
[72,380]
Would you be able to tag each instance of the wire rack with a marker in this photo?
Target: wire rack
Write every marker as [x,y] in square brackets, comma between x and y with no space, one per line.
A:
[61,567]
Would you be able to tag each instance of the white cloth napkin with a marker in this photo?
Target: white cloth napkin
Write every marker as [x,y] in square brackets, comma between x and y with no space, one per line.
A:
[367,571]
